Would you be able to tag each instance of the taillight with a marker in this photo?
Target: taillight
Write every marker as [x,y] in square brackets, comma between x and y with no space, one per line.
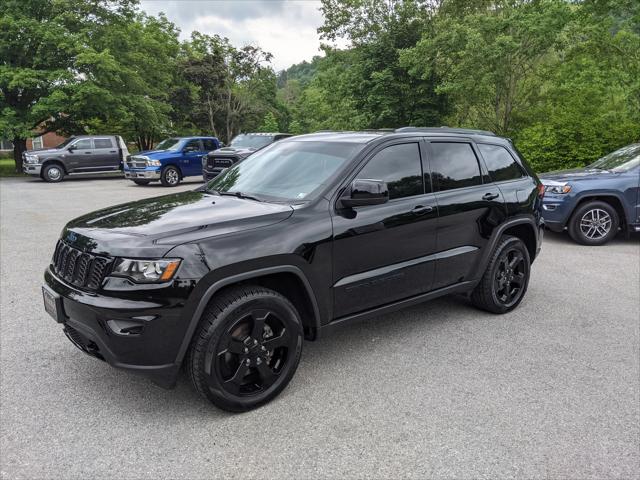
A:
[540,191]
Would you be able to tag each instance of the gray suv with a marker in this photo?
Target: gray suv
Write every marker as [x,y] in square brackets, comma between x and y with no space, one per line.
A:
[83,154]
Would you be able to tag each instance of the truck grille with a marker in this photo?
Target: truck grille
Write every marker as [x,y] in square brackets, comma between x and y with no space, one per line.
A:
[221,162]
[80,269]
[136,162]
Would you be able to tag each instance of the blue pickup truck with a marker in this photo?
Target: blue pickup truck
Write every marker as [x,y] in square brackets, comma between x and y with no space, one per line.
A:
[171,161]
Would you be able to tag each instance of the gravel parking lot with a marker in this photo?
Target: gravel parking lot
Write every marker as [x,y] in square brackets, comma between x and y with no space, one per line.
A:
[439,390]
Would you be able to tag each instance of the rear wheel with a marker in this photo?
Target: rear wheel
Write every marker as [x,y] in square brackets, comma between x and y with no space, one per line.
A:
[506,278]
[594,223]
[246,349]
[142,182]
[53,173]
[170,176]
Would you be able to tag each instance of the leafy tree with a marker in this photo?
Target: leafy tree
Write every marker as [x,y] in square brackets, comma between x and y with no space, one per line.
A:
[269,123]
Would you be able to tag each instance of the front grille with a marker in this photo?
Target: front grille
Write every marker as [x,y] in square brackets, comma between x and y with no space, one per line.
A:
[221,162]
[78,268]
[136,162]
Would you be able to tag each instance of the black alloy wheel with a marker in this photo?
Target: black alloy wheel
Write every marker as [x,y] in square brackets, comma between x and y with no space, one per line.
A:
[506,278]
[247,348]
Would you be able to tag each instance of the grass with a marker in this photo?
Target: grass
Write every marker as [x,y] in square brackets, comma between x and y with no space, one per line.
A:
[8,168]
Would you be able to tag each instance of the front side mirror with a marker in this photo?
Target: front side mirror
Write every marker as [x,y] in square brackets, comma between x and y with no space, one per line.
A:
[365,192]
[71,148]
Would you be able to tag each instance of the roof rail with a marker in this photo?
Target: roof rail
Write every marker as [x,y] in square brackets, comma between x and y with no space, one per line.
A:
[445,130]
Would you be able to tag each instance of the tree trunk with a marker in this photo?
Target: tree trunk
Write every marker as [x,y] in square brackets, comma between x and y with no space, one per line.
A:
[19,146]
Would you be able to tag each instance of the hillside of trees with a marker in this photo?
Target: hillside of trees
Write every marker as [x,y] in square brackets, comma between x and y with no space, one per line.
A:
[561,78]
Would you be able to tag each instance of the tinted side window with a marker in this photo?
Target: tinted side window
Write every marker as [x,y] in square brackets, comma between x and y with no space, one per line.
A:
[209,144]
[102,143]
[84,144]
[192,145]
[453,165]
[501,165]
[399,166]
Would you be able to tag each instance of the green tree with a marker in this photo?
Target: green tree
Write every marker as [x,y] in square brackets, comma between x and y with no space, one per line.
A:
[269,123]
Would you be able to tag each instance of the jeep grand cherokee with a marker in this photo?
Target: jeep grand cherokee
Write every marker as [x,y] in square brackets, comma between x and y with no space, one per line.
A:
[308,234]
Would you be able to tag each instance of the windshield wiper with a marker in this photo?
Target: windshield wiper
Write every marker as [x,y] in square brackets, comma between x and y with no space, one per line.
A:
[238,195]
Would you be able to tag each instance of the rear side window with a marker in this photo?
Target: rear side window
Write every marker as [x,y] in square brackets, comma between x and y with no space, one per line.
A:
[209,144]
[501,165]
[453,165]
[102,143]
[399,166]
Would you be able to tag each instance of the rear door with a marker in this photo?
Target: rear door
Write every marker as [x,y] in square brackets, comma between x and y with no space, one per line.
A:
[106,154]
[383,253]
[469,208]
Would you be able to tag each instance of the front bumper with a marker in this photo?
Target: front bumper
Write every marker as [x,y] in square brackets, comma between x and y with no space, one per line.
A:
[32,168]
[210,173]
[136,334]
[144,174]
[556,210]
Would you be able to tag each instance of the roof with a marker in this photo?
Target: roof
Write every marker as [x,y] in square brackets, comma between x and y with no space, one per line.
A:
[366,136]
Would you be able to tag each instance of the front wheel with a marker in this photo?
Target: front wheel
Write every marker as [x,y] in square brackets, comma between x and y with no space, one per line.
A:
[170,176]
[246,348]
[506,278]
[594,223]
[53,173]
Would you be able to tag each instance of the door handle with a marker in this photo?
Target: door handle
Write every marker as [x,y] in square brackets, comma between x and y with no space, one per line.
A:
[112,151]
[87,153]
[490,196]
[422,209]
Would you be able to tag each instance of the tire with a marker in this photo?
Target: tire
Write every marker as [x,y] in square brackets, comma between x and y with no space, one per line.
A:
[170,176]
[506,278]
[53,173]
[246,348]
[142,182]
[594,223]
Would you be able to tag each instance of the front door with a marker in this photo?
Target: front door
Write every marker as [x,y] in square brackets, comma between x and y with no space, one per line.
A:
[469,208]
[382,253]
[81,158]
[192,153]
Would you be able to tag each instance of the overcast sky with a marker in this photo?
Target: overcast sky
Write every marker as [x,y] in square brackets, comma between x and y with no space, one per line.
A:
[287,29]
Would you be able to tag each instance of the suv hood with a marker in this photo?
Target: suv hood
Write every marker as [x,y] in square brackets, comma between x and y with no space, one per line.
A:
[575,174]
[240,151]
[170,220]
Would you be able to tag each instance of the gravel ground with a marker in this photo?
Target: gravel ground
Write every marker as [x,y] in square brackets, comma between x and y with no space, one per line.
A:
[439,390]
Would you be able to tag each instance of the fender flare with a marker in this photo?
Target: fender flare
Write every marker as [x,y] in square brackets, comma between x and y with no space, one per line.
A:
[597,195]
[47,161]
[497,233]
[226,281]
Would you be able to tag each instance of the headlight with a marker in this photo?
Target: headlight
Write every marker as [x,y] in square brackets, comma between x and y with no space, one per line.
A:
[557,187]
[153,163]
[204,160]
[32,158]
[146,271]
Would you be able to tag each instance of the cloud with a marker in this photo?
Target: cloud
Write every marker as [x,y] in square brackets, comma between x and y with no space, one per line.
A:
[287,29]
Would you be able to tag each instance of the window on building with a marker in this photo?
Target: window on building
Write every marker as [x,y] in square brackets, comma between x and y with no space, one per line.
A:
[37,142]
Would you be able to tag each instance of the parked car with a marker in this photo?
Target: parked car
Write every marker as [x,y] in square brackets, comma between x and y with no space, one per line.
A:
[78,155]
[308,234]
[595,202]
[240,148]
[172,160]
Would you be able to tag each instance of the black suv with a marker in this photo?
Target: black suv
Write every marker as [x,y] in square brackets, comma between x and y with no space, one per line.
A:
[240,148]
[307,234]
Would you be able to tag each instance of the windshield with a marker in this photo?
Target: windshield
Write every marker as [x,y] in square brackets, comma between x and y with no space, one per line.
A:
[168,144]
[66,142]
[285,171]
[619,161]
[251,141]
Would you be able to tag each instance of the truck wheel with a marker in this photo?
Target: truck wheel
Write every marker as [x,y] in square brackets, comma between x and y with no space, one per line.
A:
[246,348]
[53,173]
[142,182]
[170,176]
[506,278]
[594,223]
